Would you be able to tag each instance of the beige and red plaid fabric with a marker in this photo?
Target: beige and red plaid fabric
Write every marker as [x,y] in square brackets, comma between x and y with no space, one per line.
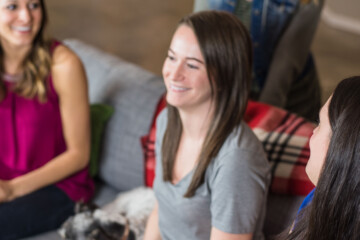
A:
[285,137]
[148,144]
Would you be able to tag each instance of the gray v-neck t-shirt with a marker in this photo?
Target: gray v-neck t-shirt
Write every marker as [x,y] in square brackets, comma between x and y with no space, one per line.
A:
[231,199]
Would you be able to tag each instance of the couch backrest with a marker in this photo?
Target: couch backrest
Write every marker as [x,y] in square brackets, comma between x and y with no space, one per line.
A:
[134,94]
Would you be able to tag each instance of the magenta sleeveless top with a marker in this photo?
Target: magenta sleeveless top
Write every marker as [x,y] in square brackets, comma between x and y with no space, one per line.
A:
[31,135]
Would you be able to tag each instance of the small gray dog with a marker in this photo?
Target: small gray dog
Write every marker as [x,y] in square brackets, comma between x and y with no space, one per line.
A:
[124,218]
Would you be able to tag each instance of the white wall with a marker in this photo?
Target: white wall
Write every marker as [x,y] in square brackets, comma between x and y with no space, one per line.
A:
[342,14]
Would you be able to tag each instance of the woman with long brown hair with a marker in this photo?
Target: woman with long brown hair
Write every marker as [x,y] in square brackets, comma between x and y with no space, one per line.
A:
[332,210]
[211,173]
[44,124]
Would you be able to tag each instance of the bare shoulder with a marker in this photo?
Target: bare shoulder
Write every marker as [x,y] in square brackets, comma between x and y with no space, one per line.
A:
[67,69]
[64,57]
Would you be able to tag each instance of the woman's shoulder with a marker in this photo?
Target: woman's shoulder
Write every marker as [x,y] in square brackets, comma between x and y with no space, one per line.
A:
[67,69]
[63,56]
[241,148]
[243,138]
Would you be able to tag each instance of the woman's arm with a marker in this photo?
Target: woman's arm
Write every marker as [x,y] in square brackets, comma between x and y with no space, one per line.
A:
[69,80]
[216,234]
[4,191]
[152,231]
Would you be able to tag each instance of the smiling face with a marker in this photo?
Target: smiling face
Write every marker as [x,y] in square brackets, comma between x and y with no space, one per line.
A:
[184,71]
[319,144]
[20,21]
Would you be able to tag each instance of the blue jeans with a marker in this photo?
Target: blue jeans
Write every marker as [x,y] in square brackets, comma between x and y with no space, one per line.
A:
[37,212]
[269,19]
[224,5]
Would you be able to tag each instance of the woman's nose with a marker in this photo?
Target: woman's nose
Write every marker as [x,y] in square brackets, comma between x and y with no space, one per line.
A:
[25,15]
[176,72]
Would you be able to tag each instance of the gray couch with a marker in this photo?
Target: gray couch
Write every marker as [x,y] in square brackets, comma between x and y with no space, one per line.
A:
[134,93]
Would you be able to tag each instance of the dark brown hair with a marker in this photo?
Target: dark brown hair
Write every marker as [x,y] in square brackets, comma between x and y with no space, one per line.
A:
[335,210]
[226,46]
[36,65]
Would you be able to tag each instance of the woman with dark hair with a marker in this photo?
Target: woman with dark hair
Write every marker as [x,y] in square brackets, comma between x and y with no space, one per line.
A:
[332,210]
[212,175]
[44,124]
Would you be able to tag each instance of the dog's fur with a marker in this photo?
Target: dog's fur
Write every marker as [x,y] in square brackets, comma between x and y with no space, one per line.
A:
[130,209]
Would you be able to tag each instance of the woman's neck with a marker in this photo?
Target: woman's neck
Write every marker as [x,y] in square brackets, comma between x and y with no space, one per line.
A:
[196,124]
[13,58]
[13,64]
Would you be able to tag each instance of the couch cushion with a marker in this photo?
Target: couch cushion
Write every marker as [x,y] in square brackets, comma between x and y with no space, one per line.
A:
[53,235]
[134,94]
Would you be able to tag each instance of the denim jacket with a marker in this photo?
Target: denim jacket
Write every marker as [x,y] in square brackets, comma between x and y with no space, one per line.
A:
[268,20]
[225,5]
[275,26]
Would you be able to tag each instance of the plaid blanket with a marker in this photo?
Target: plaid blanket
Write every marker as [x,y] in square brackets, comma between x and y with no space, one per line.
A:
[148,144]
[285,137]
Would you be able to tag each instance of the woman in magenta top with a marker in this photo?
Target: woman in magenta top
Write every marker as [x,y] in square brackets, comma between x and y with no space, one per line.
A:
[44,124]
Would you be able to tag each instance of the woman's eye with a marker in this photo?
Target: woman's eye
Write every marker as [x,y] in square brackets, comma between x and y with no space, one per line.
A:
[171,58]
[34,5]
[193,66]
[11,6]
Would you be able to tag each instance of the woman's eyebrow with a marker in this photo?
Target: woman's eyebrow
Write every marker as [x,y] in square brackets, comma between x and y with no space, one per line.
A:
[187,58]
[195,59]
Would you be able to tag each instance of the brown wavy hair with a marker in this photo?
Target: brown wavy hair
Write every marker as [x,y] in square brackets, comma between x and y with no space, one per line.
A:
[36,65]
[226,46]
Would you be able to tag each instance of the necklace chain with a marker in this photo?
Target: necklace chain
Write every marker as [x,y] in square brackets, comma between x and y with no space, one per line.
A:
[11,77]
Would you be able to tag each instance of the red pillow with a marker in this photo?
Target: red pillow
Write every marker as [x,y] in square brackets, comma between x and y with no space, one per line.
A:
[148,144]
[285,137]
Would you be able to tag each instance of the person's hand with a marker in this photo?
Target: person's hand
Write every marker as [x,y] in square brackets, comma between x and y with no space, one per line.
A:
[5,191]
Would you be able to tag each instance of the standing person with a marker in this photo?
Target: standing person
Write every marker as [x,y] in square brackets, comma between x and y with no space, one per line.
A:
[332,209]
[212,175]
[44,124]
[284,71]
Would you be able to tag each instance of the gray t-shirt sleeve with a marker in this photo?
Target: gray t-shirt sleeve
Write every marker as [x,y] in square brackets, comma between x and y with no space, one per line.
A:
[161,123]
[238,191]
